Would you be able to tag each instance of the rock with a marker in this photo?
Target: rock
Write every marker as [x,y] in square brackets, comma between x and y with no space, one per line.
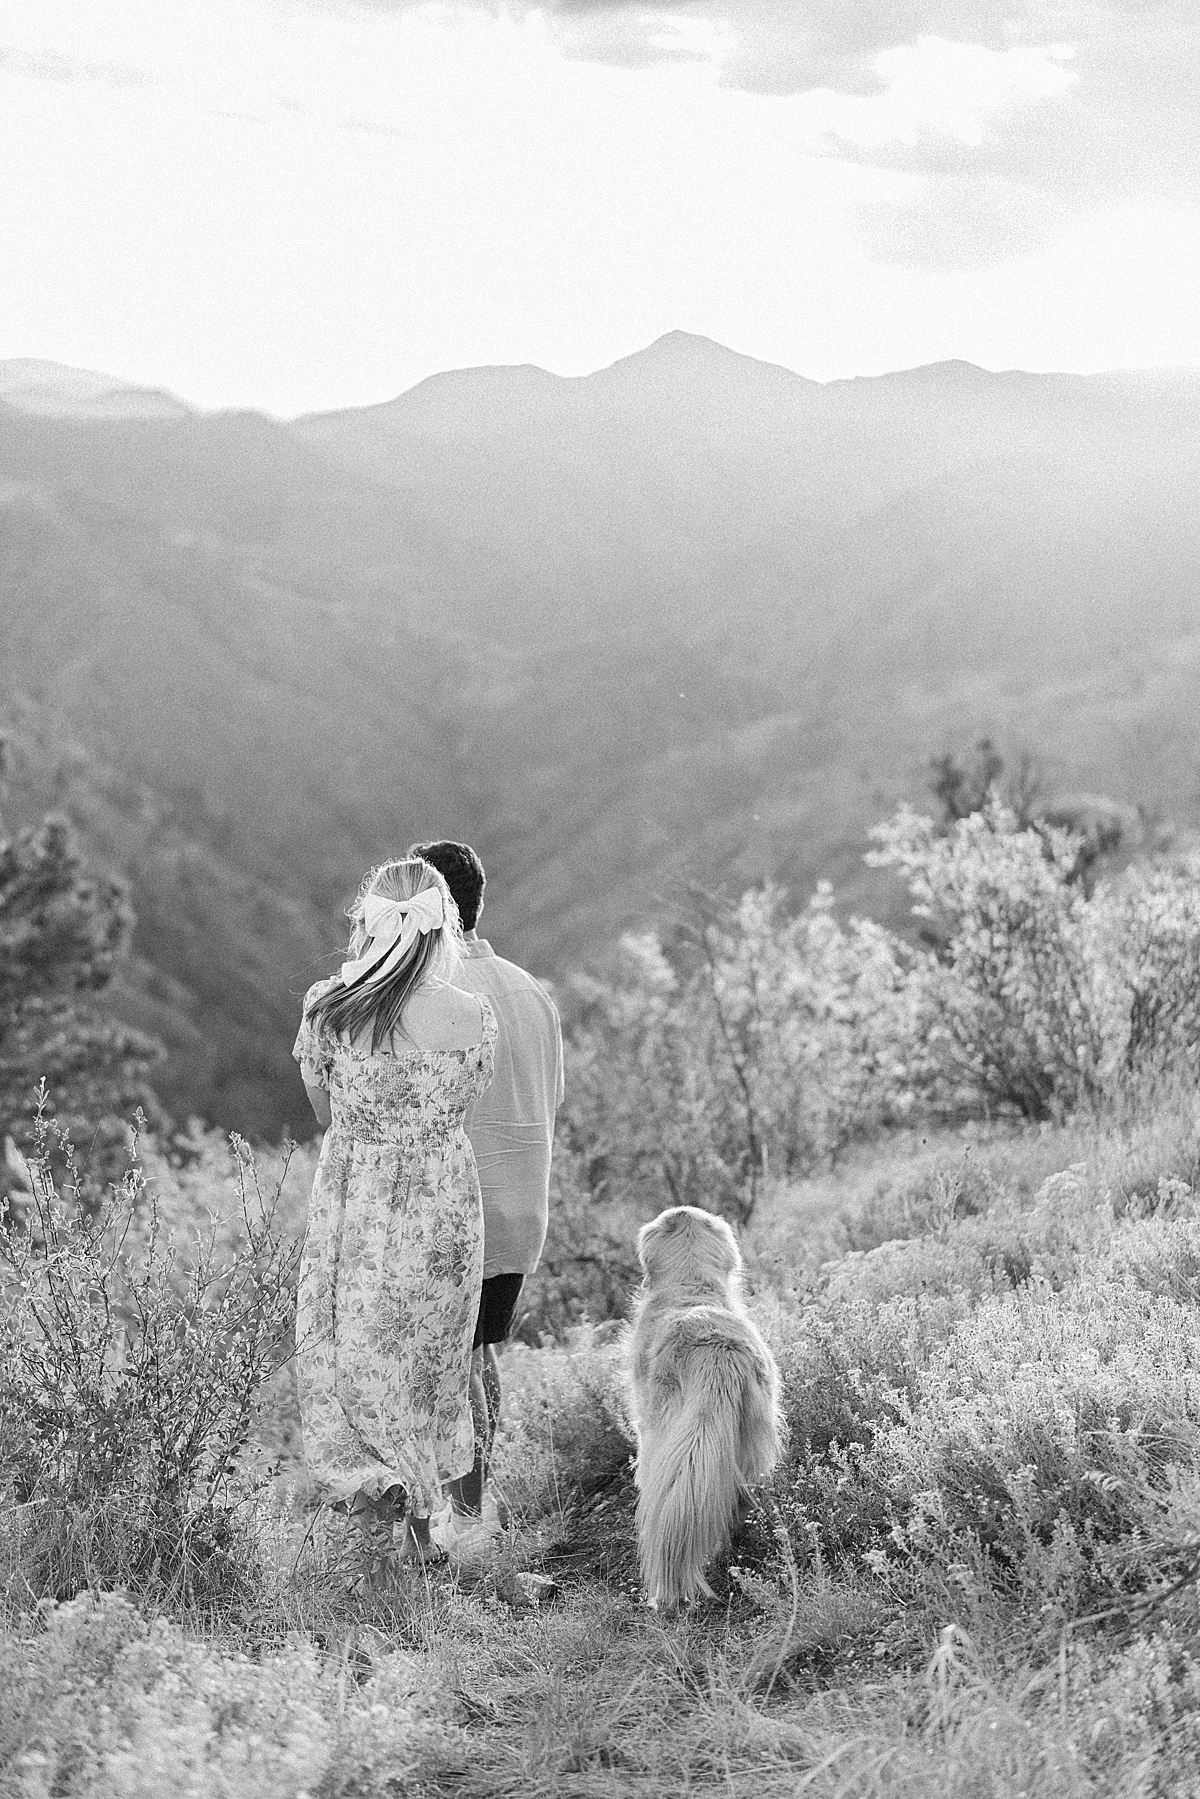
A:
[522,1590]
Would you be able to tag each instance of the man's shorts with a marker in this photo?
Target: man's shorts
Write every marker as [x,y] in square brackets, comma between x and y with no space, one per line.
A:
[497,1303]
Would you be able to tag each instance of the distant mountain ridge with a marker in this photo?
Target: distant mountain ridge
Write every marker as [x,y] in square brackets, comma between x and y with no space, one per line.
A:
[690,618]
[49,390]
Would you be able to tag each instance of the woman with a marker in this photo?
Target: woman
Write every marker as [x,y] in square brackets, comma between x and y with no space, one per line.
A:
[392,1054]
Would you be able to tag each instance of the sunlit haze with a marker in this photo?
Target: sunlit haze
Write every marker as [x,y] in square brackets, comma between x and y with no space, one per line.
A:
[293,205]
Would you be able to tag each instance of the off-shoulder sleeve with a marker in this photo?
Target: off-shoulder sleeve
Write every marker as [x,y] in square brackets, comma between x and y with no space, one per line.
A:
[313,1049]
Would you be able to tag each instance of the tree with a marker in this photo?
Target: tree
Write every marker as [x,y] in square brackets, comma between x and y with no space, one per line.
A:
[962,788]
[983,784]
[63,931]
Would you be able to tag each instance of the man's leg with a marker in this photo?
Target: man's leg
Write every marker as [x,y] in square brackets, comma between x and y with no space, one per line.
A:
[497,1304]
[466,1494]
[491,1390]
[490,1382]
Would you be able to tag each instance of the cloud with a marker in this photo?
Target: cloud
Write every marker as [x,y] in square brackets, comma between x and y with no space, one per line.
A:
[784,48]
[1013,116]
[764,46]
[1016,116]
[635,39]
[55,65]
[1126,130]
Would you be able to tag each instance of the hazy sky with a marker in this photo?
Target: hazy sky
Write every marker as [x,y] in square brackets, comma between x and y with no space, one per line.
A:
[305,203]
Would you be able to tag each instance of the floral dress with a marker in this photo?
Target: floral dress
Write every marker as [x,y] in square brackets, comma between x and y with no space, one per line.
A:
[392,1268]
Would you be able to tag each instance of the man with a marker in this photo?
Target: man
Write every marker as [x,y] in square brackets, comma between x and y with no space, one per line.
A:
[511,1130]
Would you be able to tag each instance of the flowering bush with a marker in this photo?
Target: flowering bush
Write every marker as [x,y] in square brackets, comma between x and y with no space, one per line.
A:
[131,1362]
[1013,1001]
[1150,937]
[1039,995]
[643,1114]
[814,1019]
[763,1043]
[761,1047]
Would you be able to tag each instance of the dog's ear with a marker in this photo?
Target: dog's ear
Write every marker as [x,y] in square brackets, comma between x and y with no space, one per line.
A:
[723,1231]
[651,1235]
[646,1239]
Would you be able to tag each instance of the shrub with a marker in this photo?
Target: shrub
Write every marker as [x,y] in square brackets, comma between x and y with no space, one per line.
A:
[1043,995]
[1051,1431]
[589,1269]
[847,1368]
[926,1198]
[1014,1001]
[108,1705]
[1151,931]
[763,1044]
[565,1433]
[644,1117]
[979,1252]
[131,1364]
[812,1016]
[1015,1393]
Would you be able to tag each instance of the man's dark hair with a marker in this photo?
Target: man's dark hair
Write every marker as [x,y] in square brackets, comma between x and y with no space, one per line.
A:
[464,876]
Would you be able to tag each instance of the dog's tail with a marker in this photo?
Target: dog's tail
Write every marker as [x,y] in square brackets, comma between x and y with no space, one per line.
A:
[690,1476]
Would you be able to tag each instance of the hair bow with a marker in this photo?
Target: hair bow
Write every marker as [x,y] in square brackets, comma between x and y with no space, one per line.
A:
[392,927]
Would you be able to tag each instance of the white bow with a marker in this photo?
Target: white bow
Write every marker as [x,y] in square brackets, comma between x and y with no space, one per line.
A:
[392,927]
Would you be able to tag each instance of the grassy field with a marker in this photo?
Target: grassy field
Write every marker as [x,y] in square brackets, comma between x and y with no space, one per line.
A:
[973,1573]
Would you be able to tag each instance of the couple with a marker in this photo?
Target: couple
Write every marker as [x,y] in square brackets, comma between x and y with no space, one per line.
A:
[436,1068]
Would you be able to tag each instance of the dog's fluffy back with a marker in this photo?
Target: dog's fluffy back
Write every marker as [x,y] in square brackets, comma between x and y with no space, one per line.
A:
[706,1400]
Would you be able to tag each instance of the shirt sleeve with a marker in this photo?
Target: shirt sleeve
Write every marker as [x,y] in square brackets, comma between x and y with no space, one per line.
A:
[561,1084]
[312,1048]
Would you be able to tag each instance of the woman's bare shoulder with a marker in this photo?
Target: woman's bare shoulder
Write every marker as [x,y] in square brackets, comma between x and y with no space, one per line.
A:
[444,1017]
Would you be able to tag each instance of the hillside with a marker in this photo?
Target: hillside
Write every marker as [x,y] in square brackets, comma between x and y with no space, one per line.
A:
[692,617]
[988,1589]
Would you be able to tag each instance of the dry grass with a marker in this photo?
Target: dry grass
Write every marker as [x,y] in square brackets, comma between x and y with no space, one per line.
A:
[458,1693]
[848,1663]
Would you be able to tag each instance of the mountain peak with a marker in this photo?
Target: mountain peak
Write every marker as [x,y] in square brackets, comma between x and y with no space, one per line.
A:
[954,372]
[688,355]
[690,344]
[52,390]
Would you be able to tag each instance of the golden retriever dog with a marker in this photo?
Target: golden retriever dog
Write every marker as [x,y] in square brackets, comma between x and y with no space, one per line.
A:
[705,1401]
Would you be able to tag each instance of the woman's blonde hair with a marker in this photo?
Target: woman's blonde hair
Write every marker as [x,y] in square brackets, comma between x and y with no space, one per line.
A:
[432,954]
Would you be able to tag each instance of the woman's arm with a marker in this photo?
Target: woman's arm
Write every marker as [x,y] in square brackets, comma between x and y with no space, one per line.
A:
[314,1056]
[318,1099]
